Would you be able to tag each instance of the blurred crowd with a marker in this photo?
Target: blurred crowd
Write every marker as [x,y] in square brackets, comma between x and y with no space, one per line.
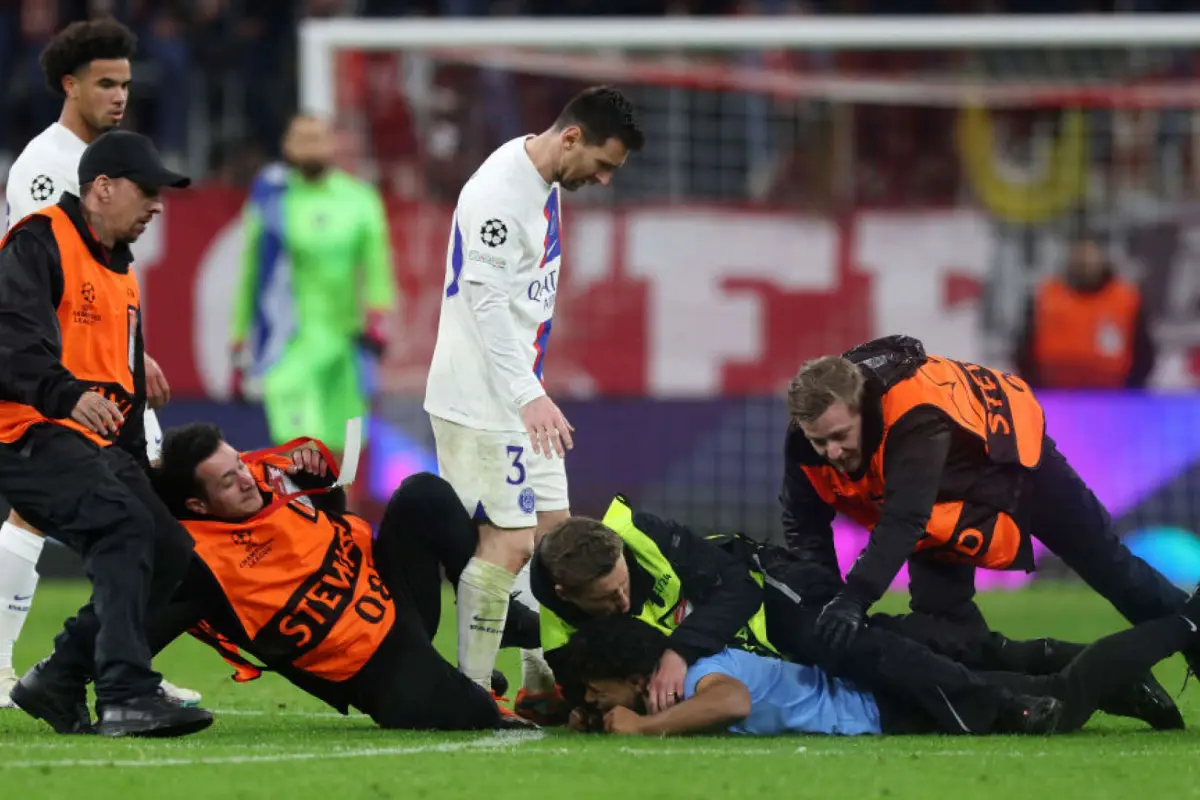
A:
[216,80]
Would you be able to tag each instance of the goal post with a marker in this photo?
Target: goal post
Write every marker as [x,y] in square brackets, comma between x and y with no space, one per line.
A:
[321,38]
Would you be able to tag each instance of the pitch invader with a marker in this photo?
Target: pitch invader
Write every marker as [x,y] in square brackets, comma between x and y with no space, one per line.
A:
[501,441]
[88,64]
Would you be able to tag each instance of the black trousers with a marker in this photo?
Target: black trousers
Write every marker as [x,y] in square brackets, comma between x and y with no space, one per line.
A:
[446,532]
[99,502]
[1103,667]
[1063,513]
[407,683]
[928,686]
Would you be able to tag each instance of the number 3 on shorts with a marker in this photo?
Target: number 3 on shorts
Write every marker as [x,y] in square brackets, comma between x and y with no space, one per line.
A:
[516,452]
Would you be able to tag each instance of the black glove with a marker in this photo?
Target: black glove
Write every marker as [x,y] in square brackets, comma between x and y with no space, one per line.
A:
[839,621]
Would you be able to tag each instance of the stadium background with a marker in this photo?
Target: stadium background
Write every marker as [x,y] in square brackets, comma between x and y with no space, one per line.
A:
[792,212]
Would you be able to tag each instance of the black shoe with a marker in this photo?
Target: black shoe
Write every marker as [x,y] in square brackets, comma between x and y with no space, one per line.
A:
[1148,701]
[154,715]
[1191,614]
[43,694]
[499,683]
[1191,606]
[522,626]
[1030,715]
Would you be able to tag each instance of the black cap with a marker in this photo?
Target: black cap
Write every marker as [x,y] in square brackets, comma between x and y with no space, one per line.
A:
[125,154]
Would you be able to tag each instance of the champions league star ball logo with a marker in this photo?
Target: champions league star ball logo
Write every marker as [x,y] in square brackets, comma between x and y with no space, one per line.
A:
[493,233]
[42,188]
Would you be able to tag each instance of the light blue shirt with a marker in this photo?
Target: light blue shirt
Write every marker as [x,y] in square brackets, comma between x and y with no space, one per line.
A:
[790,698]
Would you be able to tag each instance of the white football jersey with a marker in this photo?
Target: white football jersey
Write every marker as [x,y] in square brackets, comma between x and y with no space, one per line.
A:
[504,255]
[47,167]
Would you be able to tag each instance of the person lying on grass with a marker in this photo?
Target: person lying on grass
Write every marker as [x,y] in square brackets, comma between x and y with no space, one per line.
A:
[739,692]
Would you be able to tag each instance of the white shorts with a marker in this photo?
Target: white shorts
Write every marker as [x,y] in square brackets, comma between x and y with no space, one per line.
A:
[497,476]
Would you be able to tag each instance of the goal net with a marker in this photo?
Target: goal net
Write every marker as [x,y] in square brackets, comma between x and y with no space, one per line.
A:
[807,184]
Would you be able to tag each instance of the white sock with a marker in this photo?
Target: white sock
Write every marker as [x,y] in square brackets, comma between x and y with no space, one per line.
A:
[483,592]
[536,675]
[19,551]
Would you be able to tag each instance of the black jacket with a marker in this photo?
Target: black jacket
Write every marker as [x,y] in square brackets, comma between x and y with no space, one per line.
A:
[31,348]
[718,584]
[928,458]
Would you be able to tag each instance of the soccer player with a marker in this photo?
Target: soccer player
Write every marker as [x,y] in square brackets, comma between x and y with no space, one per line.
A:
[739,692]
[316,287]
[87,63]
[299,583]
[500,439]
[72,441]
[950,467]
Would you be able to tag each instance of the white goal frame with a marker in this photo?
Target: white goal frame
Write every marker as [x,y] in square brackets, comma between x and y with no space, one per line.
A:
[320,39]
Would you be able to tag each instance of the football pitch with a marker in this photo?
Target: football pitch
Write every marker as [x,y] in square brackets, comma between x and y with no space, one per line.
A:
[270,741]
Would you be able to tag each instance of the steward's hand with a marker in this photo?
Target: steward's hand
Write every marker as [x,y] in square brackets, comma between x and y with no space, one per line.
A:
[98,414]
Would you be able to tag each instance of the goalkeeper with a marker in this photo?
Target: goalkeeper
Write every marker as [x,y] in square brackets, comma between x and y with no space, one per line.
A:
[315,289]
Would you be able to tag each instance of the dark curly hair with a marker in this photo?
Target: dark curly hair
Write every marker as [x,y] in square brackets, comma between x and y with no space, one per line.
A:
[184,449]
[79,44]
[614,648]
[603,113]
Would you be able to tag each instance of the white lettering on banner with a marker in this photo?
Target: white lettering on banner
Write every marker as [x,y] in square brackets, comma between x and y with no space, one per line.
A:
[216,287]
[593,237]
[911,257]
[697,326]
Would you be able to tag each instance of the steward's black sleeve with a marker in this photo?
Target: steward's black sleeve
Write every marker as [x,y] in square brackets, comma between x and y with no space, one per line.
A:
[730,595]
[808,531]
[31,288]
[913,463]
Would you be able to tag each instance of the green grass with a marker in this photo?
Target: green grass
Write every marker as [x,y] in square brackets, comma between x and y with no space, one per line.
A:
[272,741]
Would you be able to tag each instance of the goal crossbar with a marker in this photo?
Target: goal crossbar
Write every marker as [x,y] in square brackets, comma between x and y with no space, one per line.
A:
[320,39]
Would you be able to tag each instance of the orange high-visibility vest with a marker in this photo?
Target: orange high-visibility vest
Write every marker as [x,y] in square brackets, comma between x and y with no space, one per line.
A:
[997,408]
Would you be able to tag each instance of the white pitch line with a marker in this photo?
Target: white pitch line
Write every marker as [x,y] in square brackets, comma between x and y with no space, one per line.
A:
[498,741]
[735,750]
[233,712]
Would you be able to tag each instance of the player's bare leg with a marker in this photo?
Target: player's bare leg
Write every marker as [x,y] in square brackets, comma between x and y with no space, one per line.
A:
[483,596]
[20,546]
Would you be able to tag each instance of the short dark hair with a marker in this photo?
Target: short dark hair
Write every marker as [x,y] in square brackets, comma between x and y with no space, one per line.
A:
[81,43]
[613,648]
[579,550]
[603,113]
[184,449]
